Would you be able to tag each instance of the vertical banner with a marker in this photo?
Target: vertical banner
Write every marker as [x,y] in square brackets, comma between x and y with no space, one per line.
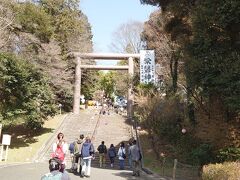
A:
[147,66]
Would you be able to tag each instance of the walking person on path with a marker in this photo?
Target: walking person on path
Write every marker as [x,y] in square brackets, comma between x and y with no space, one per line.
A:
[112,154]
[87,153]
[121,155]
[73,149]
[102,149]
[136,158]
[75,153]
[79,159]
[60,149]
[54,167]
[129,155]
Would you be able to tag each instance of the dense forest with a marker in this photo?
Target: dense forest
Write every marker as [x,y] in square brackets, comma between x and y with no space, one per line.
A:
[36,71]
[196,107]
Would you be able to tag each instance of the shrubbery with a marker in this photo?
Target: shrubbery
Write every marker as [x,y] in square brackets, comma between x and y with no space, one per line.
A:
[164,118]
[225,171]
[228,154]
[201,155]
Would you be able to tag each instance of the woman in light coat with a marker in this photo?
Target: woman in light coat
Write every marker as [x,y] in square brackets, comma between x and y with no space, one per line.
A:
[121,155]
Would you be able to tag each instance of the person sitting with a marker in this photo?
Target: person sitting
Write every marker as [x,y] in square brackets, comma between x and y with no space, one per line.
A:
[54,167]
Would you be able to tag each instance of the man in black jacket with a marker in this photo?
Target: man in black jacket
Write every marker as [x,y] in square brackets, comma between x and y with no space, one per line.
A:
[102,149]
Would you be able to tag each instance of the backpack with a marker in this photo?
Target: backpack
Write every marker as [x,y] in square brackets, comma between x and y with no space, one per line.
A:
[87,150]
[102,148]
[112,152]
[71,147]
[58,153]
[51,176]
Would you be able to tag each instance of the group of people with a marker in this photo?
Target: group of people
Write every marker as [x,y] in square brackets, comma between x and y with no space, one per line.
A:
[82,152]
[134,156]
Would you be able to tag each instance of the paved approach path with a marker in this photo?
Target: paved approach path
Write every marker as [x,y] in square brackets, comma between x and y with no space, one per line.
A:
[111,128]
[34,171]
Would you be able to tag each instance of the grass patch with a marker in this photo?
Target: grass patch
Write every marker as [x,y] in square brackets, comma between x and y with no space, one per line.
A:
[150,159]
[25,143]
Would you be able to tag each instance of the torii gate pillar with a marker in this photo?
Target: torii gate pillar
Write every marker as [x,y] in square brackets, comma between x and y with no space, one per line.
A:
[77,87]
[130,99]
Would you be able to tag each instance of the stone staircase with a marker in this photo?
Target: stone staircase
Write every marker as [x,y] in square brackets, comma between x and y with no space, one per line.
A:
[72,127]
[113,129]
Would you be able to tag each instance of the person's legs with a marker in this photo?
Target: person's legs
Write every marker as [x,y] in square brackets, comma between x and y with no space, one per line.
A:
[138,166]
[75,162]
[100,159]
[72,161]
[80,165]
[104,161]
[88,167]
[130,162]
[121,163]
[134,167]
[112,161]
[84,167]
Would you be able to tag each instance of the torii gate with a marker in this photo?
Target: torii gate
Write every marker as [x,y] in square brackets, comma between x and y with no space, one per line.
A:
[103,56]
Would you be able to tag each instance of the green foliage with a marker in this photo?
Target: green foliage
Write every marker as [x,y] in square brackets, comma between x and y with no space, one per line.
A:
[121,79]
[35,20]
[207,33]
[61,28]
[228,154]
[147,89]
[227,170]
[215,58]
[106,83]
[66,20]
[201,155]
[24,92]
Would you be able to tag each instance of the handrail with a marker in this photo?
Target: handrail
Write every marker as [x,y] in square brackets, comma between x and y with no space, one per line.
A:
[96,126]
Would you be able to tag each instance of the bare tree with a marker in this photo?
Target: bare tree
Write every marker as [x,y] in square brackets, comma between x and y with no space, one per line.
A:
[165,49]
[127,38]
[157,39]
[6,20]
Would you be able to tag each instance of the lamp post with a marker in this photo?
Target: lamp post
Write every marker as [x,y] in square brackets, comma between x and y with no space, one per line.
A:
[60,108]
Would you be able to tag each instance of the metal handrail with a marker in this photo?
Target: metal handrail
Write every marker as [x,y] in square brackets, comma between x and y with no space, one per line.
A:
[96,126]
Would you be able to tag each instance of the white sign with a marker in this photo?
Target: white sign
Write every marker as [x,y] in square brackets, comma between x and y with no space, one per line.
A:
[6,140]
[147,66]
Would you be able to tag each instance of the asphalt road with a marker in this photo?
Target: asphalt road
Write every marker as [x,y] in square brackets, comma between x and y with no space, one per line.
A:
[34,171]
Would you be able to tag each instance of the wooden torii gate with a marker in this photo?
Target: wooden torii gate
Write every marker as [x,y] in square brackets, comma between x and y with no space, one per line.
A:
[103,56]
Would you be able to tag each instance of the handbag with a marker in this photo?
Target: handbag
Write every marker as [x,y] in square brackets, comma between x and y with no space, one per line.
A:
[123,154]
